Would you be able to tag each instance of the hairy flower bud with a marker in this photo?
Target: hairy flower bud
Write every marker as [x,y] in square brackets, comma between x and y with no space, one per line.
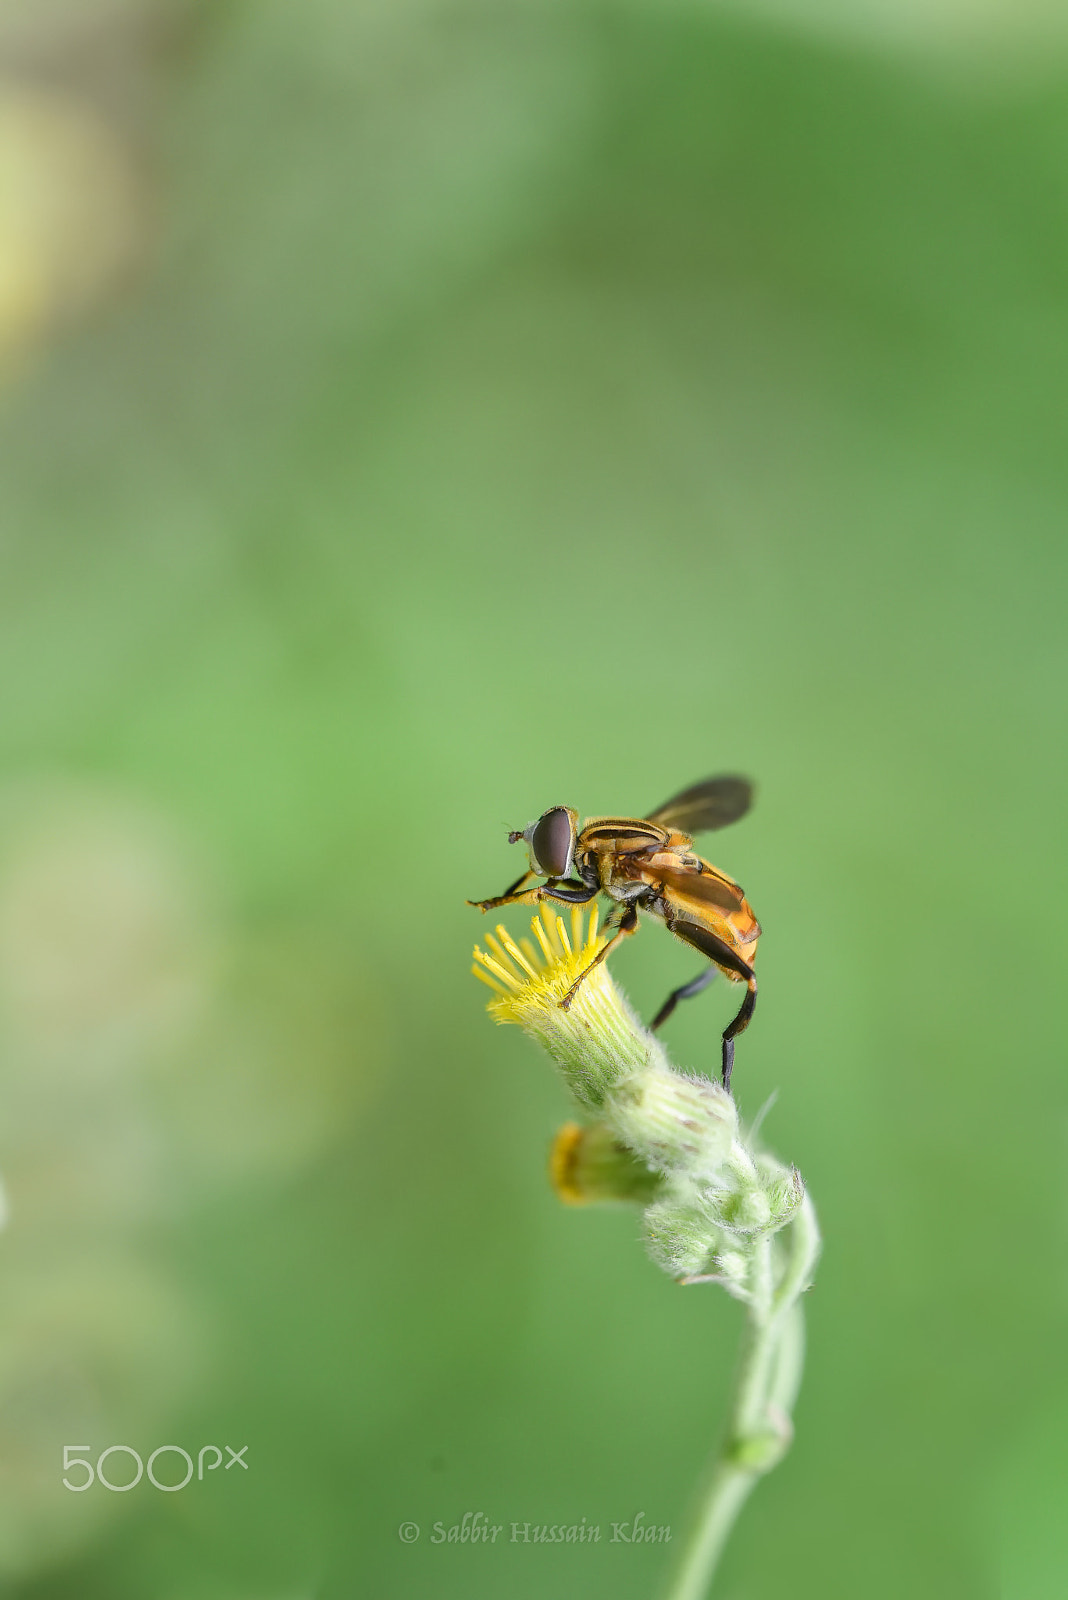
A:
[674,1122]
[681,1236]
[588,1164]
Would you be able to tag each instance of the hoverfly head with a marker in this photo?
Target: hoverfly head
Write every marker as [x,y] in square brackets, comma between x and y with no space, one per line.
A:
[551,841]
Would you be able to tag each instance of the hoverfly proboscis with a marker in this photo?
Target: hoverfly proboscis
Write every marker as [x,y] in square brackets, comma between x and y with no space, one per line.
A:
[648,864]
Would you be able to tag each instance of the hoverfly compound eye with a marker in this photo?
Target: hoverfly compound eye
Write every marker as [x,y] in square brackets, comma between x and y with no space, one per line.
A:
[552,842]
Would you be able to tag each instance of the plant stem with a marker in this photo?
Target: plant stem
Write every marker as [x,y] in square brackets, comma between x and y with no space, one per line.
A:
[759,1428]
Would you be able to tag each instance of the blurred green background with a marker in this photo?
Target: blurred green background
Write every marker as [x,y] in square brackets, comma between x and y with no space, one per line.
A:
[415,414]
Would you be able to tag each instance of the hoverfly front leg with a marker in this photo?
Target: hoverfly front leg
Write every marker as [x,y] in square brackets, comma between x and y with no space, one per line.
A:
[567,889]
[509,897]
[718,951]
[628,923]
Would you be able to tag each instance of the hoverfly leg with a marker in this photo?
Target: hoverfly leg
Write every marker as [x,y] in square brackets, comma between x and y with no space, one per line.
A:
[727,1062]
[718,951]
[524,877]
[739,1025]
[569,890]
[687,992]
[628,923]
[510,895]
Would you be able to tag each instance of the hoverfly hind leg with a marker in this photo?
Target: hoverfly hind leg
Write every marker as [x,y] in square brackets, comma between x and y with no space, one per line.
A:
[739,1025]
[686,992]
[728,960]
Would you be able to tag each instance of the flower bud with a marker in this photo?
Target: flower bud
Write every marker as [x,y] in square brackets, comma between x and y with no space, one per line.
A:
[746,1210]
[675,1122]
[784,1189]
[588,1164]
[680,1235]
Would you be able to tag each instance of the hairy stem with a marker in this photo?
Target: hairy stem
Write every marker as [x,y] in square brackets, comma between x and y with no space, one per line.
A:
[759,1425]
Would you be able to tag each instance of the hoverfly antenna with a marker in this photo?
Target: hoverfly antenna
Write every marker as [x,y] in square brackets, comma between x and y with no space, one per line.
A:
[515,836]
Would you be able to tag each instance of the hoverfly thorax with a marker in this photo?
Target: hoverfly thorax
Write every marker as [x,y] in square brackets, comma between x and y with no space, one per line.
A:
[550,842]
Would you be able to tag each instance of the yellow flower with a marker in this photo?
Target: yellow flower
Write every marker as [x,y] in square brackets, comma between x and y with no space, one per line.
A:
[523,976]
[595,1036]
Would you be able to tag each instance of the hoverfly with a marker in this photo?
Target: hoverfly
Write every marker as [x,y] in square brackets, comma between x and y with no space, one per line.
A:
[648,864]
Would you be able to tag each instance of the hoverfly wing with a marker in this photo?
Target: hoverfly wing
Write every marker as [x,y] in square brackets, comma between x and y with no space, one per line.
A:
[704,806]
[690,890]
